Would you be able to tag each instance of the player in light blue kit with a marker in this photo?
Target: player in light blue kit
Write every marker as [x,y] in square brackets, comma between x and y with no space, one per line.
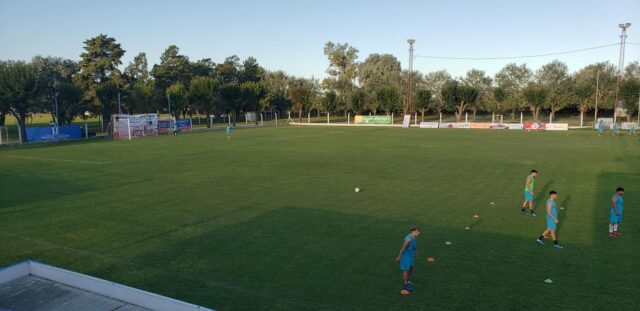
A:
[632,128]
[614,129]
[406,258]
[228,133]
[600,128]
[552,220]
[528,193]
[615,219]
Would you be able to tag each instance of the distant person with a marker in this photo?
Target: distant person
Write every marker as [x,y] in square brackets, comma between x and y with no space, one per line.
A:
[632,128]
[616,212]
[406,257]
[228,133]
[175,128]
[614,129]
[552,221]
[600,128]
[528,193]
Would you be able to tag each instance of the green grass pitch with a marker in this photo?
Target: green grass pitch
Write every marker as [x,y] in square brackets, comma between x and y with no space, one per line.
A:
[271,220]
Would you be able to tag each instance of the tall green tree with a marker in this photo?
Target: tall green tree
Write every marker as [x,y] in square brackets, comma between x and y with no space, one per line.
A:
[141,97]
[204,93]
[24,89]
[300,93]
[99,64]
[434,81]
[229,70]
[357,100]
[389,98]
[203,68]
[106,93]
[554,76]
[250,71]
[137,70]
[174,68]
[535,95]
[177,94]
[513,78]
[55,71]
[342,70]
[4,102]
[629,92]
[251,94]
[480,81]
[276,83]
[458,97]
[70,102]
[424,101]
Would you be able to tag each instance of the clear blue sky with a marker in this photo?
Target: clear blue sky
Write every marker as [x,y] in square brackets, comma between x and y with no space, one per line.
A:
[289,35]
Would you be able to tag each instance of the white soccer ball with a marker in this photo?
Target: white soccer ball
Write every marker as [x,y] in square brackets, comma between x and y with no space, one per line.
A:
[357,189]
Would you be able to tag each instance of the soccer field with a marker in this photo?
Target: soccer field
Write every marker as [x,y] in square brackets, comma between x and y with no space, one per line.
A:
[271,220]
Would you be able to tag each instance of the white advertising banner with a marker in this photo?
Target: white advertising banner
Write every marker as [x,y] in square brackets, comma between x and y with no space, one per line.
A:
[428,125]
[506,126]
[406,121]
[557,127]
[454,125]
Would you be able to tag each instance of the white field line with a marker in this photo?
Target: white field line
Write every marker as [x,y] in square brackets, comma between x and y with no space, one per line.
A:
[58,160]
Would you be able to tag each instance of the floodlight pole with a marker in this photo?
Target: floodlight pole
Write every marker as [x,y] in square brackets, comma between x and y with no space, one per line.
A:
[623,40]
[410,95]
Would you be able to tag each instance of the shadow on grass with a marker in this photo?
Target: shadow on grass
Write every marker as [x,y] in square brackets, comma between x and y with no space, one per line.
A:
[297,259]
[20,188]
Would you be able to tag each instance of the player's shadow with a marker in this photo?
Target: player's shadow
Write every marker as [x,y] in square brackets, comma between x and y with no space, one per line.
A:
[563,208]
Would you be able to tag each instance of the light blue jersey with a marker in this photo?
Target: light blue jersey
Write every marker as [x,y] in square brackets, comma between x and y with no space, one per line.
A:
[614,219]
[406,259]
[228,131]
[601,127]
[551,224]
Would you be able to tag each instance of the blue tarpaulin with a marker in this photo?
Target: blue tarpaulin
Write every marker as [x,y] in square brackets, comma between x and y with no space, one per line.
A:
[48,133]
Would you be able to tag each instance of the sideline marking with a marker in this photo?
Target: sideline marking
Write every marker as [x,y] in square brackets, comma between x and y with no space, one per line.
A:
[59,160]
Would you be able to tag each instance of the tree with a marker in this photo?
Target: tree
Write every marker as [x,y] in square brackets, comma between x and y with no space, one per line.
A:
[173,68]
[554,76]
[388,97]
[357,100]
[24,89]
[513,78]
[458,96]
[276,83]
[55,71]
[434,81]
[228,71]
[203,68]
[378,71]
[251,94]
[342,70]
[535,96]
[230,99]
[585,89]
[204,93]
[300,93]
[99,64]
[4,102]
[629,92]
[177,95]
[70,102]
[424,101]
[496,100]
[106,95]
[480,81]
[250,71]
[138,70]
[141,97]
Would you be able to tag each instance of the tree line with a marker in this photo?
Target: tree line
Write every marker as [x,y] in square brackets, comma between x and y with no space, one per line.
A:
[180,86]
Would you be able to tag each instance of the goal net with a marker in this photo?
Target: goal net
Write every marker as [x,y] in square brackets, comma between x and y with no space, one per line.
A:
[131,126]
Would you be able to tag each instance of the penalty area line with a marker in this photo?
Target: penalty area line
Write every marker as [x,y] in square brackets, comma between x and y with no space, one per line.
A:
[57,160]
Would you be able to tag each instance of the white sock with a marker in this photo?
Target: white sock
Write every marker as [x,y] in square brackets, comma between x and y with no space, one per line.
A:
[615,227]
[610,228]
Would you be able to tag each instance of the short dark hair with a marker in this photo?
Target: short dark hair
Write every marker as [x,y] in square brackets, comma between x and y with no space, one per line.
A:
[552,192]
[619,189]
[413,228]
[534,171]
